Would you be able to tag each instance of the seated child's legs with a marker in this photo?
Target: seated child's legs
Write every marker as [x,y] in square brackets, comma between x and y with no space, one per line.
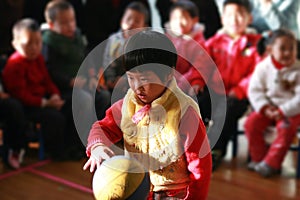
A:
[286,131]
[255,126]
[12,116]
[52,127]
[235,109]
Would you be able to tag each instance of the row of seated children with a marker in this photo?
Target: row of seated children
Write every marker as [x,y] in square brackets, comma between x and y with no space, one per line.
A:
[232,49]
[47,85]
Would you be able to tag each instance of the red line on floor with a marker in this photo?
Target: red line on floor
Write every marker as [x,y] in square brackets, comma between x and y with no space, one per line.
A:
[61,180]
[38,164]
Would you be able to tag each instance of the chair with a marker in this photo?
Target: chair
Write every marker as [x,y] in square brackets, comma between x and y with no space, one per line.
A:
[35,139]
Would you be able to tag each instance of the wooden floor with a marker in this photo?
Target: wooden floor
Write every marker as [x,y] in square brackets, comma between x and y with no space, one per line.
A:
[65,180]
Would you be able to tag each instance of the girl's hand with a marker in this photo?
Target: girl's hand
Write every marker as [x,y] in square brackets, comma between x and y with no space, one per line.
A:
[98,155]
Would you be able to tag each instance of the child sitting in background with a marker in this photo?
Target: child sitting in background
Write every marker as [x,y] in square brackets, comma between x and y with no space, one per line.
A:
[64,51]
[135,17]
[274,93]
[186,33]
[159,125]
[26,78]
[233,49]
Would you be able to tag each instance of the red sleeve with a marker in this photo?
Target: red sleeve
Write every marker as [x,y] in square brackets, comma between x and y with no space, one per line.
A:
[198,154]
[107,130]
[14,79]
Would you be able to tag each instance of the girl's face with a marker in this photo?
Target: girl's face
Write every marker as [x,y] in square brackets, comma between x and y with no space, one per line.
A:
[28,44]
[235,19]
[131,20]
[65,23]
[147,86]
[284,50]
[181,21]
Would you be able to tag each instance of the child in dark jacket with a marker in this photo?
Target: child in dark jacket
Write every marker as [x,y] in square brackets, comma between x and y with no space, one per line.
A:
[64,51]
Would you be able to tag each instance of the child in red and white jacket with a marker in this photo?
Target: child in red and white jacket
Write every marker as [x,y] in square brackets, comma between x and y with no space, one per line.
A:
[158,124]
[274,93]
[233,49]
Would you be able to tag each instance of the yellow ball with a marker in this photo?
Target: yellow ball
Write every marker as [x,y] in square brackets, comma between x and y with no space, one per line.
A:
[117,178]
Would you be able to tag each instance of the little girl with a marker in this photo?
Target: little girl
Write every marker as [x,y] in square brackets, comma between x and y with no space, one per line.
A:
[274,93]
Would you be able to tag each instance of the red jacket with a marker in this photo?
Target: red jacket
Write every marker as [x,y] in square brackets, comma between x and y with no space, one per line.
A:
[28,80]
[191,62]
[196,146]
[235,61]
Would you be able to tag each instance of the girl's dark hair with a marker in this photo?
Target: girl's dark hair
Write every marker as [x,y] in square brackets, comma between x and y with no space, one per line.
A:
[150,51]
[270,37]
[141,8]
[186,5]
[244,3]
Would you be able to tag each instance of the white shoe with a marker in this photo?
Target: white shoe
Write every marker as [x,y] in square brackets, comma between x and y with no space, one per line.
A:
[251,165]
[13,159]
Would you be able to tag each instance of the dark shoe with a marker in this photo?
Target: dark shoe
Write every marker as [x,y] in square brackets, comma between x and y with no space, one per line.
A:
[251,165]
[217,157]
[265,170]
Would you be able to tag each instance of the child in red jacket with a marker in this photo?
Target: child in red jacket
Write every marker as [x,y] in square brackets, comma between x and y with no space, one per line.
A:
[159,125]
[233,49]
[26,78]
[186,33]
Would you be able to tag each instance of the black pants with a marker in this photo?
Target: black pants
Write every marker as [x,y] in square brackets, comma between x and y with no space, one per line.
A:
[224,113]
[13,123]
[53,124]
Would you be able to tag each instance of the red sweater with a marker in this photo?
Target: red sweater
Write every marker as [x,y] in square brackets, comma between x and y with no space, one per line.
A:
[196,146]
[235,61]
[192,62]
[28,80]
